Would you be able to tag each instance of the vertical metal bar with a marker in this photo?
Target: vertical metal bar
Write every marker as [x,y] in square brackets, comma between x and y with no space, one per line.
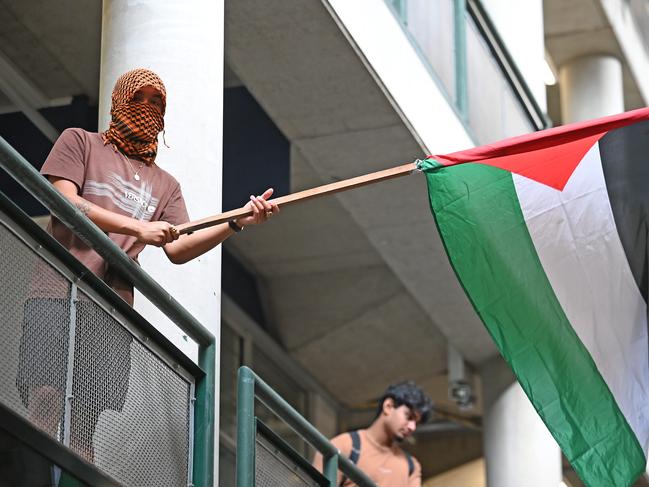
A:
[190,456]
[330,469]
[245,428]
[69,378]
[203,475]
[402,9]
[461,90]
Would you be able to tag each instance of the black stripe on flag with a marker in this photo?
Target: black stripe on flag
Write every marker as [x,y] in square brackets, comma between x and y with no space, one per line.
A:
[625,160]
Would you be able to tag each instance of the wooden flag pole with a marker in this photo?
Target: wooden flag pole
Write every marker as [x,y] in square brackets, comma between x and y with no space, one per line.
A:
[307,194]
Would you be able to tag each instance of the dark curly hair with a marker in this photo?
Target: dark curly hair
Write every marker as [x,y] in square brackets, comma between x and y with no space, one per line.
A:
[409,394]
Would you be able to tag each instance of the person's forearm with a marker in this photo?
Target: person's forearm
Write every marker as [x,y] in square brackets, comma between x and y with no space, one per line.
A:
[156,233]
[188,247]
[107,220]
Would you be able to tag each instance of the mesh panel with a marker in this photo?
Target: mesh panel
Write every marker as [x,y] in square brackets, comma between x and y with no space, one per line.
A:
[273,468]
[136,403]
[34,335]
[128,411]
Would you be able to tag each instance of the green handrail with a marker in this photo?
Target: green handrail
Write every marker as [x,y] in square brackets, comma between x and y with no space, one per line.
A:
[27,176]
[250,385]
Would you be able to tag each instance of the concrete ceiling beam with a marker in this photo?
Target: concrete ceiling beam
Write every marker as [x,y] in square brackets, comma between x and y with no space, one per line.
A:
[585,27]
[25,96]
[8,107]
[365,270]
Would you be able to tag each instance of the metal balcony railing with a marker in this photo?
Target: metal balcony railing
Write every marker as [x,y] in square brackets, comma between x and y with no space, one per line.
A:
[80,365]
[264,460]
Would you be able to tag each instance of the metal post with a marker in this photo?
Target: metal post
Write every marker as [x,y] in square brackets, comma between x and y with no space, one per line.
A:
[306,430]
[330,469]
[192,434]
[203,474]
[245,428]
[401,6]
[69,378]
[461,92]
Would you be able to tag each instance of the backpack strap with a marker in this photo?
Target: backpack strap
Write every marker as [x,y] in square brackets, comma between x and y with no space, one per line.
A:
[411,463]
[355,453]
[356,447]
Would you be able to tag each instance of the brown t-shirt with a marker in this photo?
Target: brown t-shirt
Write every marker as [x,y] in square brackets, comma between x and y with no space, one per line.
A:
[105,177]
[386,466]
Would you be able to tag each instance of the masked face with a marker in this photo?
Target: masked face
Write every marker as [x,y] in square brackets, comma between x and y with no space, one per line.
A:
[150,95]
[138,106]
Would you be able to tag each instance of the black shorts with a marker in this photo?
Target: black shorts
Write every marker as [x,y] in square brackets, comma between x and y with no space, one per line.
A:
[102,357]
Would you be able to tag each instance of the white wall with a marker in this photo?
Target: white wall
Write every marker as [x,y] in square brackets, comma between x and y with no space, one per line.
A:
[402,74]
[520,26]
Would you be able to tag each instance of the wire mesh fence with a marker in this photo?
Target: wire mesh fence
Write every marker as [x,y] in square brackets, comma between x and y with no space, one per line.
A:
[87,377]
[276,466]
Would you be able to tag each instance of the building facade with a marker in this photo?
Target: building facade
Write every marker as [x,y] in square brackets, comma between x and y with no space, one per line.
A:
[337,297]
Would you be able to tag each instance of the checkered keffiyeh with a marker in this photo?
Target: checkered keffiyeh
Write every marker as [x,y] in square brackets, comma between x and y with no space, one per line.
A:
[135,126]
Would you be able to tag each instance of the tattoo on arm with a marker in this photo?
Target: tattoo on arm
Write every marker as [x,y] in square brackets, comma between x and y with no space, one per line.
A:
[84,206]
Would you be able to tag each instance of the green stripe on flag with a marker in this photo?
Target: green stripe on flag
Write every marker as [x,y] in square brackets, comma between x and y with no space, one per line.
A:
[479,218]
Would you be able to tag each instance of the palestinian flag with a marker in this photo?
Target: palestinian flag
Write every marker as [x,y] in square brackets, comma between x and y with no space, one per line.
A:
[548,235]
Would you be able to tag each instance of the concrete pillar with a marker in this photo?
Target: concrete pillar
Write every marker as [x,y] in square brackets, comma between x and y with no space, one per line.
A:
[519,449]
[591,87]
[323,415]
[184,44]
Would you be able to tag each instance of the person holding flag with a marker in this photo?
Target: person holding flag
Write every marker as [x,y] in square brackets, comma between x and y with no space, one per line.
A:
[113,179]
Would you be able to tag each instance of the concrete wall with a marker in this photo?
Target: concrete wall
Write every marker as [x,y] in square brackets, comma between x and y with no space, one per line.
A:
[399,69]
[520,26]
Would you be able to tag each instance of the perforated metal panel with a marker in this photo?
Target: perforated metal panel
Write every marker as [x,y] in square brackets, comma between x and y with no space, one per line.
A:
[115,401]
[139,405]
[34,336]
[277,465]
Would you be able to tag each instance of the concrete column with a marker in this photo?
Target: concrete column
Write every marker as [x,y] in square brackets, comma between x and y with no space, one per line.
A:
[591,87]
[183,43]
[323,415]
[519,449]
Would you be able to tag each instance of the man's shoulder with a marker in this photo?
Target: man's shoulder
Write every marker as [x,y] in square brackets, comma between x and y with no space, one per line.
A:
[79,133]
[75,138]
[414,466]
[343,442]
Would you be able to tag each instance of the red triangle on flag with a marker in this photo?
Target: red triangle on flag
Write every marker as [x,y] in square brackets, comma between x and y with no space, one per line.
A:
[551,166]
[549,156]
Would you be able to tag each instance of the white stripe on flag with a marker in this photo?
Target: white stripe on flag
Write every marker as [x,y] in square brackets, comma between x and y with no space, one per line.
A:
[576,239]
